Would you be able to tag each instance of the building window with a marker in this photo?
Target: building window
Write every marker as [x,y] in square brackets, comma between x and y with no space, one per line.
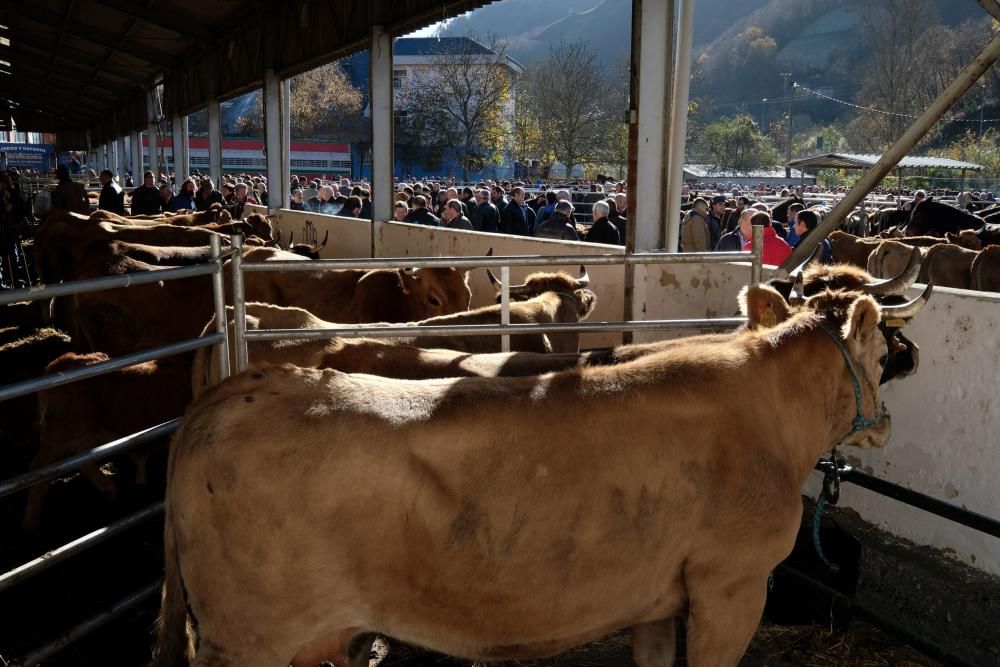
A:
[398,78]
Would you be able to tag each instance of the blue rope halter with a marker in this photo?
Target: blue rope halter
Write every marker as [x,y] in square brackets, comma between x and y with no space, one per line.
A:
[860,421]
[831,481]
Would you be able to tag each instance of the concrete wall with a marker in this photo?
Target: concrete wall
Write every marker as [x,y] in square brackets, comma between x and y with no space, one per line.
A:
[945,418]
[944,429]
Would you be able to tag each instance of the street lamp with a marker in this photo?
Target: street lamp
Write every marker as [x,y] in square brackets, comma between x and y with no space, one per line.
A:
[763,117]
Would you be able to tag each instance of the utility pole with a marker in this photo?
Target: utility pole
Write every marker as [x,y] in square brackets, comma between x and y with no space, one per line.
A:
[763,116]
[789,89]
[982,103]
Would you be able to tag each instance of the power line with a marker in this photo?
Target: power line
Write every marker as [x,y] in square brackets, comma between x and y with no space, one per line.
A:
[890,113]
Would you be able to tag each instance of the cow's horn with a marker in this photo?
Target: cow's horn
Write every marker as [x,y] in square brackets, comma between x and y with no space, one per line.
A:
[907,310]
[584,278]
[291,240]
[520,290]
[817,254]
[326,237]
[493,278]
[897,284]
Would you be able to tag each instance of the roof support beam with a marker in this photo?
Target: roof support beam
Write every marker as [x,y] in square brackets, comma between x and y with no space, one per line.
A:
[80,87]
[189,29]
[102,38]
[34,49]
[27,90]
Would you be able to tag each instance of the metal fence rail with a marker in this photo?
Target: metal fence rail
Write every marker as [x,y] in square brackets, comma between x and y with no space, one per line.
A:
[241,335]
[218,338]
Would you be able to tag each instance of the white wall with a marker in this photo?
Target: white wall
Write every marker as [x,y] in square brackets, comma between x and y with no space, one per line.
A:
[945,418]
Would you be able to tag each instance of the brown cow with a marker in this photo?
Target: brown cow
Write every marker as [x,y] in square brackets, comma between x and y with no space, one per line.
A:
[986,270]
[489,542]
[79,416]
[216,214]
[948,265]
[376,356]
[349,296]
[850,249]
[891,258]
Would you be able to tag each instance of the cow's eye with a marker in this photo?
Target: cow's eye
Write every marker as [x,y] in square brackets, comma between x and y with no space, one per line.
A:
[434,301]
[883,360]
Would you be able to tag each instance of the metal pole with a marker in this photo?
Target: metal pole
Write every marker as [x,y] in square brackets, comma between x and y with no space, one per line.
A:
[392,331]
[219,297]
[100,453]
[763,116]
[648,200]
[215,142]
[154,165]
[135,141]
[39,655]
[273,139]
[59,554]
[239,304]
[788,153]
[678,122]
[505,306]
[179,145]
[961,85]
[757,247]
[286,140]
[380,84]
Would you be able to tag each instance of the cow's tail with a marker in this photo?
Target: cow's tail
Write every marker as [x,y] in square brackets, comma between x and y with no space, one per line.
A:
[175,645]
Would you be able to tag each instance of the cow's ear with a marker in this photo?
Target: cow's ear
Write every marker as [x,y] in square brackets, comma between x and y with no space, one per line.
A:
[862,319]
[763,306]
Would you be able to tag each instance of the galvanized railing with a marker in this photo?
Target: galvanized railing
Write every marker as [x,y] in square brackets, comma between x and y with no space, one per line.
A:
[219,338]
[505,329]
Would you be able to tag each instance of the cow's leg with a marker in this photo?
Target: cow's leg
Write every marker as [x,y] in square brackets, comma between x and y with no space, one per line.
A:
[722,618]
[655,644]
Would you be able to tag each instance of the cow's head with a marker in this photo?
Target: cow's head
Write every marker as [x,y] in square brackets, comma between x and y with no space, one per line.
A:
[903,354]
[310,250]
[559,282]
[216,213]
[261,226]
[850,319]
[433,292]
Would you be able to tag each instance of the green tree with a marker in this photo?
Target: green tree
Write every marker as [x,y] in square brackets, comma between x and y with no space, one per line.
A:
[462,102]
[737,145]
[577,103]
[324,104]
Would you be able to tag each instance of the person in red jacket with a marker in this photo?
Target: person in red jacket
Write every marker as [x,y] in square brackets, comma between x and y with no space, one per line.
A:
[776,250]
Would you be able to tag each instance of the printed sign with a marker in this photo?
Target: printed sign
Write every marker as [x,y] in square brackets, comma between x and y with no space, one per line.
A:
[28,156]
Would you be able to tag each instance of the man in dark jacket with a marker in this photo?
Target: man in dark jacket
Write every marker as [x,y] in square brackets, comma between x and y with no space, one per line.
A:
[559,225]
[146,198]
[733,241]
[69,195]
[603,230]
[805,222]
[451,216]
[517,218]
[716,209]
[487,216]
[420,215]
[207,195]
[112,196]
[499,199]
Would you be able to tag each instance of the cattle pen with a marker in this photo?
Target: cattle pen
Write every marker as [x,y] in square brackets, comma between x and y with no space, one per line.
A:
[901,542]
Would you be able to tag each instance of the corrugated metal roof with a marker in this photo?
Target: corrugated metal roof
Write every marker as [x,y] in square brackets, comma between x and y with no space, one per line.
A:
[708,171]
[866,161]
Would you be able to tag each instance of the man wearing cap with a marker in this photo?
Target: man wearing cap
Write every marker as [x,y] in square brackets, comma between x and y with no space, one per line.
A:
[716,210]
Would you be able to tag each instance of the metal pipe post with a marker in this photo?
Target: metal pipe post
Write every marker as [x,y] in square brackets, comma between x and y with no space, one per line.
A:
[757,247]
[239,304]
[961,85]
[505,306]
[135,147]
[380,83]
[219,298]
[678,122]
[59,554]
[656,23]
[286,141]
[45,652]
[122,159]
[215,142]
[179,146]
[99,453]
[273,139]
